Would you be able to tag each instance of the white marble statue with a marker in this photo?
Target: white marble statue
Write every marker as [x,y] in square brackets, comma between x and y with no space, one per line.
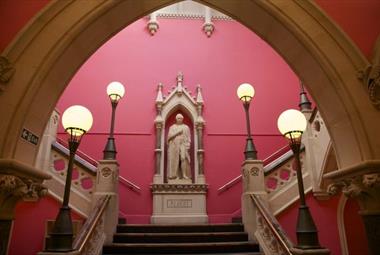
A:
[179,140]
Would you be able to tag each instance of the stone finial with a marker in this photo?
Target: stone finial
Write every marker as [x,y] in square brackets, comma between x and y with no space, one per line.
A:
[153,24]
[208,27]
[304,104]
[199,95]
[179,83]
[160,97]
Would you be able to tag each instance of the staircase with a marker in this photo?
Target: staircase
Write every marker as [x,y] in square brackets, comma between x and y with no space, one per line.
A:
[181,239]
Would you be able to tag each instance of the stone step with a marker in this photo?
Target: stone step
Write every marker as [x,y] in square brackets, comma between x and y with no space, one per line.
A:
[180,237]
[181,248]
[137,228]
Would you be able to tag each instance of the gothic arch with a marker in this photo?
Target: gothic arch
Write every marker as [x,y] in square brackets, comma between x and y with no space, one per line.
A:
[48,52]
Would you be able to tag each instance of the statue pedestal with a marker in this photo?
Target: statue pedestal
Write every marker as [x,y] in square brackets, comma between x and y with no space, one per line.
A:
[179,203]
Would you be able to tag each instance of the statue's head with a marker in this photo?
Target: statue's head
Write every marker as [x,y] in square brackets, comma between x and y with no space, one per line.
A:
[179,118]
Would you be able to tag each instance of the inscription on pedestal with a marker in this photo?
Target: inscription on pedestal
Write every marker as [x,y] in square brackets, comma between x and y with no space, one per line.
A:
[179,203]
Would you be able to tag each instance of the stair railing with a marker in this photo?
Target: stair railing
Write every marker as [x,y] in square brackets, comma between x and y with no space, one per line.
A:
[91,237]
[269,233]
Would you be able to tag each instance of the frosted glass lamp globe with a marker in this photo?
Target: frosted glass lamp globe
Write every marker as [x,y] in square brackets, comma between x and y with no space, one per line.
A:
[245,92]
[77,120]
[115,90]
[291,123]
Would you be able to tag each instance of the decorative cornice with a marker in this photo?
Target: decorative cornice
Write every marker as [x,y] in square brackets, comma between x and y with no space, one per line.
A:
[179,188]
[6,72]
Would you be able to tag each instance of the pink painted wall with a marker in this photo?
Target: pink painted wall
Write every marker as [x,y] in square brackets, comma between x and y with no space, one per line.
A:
[14,15]
[355,232]
[29,226]
[325,217]
[359,19]
[233,55]
[324,214]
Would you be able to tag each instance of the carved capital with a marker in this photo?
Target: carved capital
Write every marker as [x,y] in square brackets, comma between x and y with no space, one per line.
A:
[11,185]
[6,72]
[365,188]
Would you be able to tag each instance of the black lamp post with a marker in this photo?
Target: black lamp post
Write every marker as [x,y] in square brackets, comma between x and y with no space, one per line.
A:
[76,120]
[292,124]
[115,91]
[245,93]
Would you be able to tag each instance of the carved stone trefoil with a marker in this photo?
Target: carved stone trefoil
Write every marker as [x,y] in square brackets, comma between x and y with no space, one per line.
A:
[6,72]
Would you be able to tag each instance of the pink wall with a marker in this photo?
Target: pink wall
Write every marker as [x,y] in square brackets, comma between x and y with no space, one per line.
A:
[324,214]
[233,55]
[29,226]
[355,232]
[359,19]
[14,15]
[325,217]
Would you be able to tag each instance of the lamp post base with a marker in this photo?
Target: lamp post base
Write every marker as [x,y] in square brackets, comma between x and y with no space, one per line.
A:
[250,150]
[61,238]
[109,151]
[307,233]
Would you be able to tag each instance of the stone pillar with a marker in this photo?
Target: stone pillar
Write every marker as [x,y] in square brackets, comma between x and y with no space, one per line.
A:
[362,182]
[107,179]
[253,183]
[158,150]
[200,152]
[49,137]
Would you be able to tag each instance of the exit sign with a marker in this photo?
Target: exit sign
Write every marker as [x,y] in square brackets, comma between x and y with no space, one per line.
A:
[29,136]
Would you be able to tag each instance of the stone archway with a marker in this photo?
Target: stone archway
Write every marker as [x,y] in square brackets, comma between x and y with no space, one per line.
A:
[61,38]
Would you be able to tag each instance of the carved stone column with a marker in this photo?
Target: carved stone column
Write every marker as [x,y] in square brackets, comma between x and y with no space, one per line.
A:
[159,123]
[253,183]
[107,179]
[43,160]
[199,125]
[17,182]
[362,182]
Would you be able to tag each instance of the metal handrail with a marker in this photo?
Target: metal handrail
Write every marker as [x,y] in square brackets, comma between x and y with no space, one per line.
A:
[90,224]
[273,225]
[129,184]
[88,166]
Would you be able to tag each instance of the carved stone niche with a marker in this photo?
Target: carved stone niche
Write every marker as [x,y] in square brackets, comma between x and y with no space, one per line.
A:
[179,200]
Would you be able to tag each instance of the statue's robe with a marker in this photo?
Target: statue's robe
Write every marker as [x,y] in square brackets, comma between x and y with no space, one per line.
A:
[178,157]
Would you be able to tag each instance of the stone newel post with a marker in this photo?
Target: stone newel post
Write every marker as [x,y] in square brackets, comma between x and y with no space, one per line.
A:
[107,180]
[253,183]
